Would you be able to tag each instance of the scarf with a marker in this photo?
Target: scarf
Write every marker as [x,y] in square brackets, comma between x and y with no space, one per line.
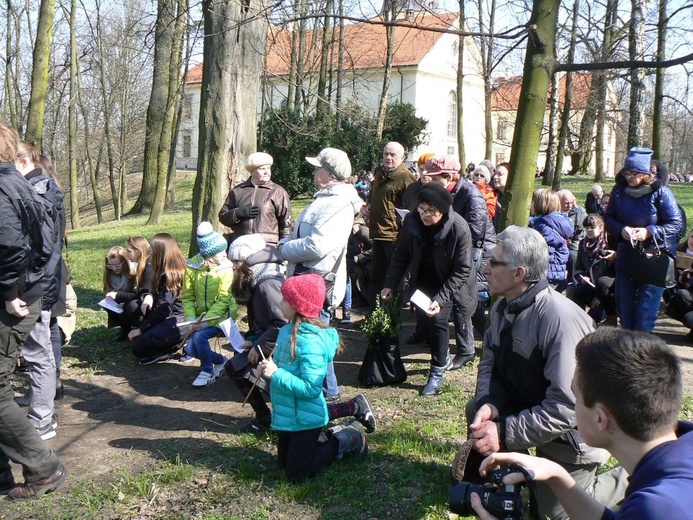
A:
[593,246]
[640,191]
[118,282]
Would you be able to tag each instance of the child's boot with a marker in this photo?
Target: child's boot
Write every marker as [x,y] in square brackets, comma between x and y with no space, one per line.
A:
[351,438]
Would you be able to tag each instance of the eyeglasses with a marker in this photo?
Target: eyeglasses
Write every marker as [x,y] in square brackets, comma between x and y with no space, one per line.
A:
[496,263]
[632,174]
[114,266]
[427,212]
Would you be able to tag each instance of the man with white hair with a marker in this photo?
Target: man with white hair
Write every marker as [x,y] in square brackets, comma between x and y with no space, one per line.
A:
[577,215]
[523,392]
[593,202]
[390,182]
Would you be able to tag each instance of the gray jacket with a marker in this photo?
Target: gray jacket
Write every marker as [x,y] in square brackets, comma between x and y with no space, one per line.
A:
[527,369]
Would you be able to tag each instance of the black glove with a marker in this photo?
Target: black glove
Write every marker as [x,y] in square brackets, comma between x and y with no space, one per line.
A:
[247,212]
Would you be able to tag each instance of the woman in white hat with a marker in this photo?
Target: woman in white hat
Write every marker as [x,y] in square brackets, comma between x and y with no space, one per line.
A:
[258,205]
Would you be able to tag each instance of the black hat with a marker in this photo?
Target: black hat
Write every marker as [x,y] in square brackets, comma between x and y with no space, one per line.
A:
[434,194]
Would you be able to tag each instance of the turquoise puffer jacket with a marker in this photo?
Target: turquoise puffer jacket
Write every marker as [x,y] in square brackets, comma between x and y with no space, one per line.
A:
[296,389]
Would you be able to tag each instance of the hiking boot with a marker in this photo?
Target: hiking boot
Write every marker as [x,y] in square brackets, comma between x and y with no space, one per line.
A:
[352,439]
[40,487]
[434,386]
[461,360]
[155,359]
[258,425]
[48,431]
[6,481]
[364,414]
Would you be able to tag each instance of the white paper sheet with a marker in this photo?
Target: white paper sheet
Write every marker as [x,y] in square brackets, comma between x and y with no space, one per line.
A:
[111,305]
[422,301]
[228,327]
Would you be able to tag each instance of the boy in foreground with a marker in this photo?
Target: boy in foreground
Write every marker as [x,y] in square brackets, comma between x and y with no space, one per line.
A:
[628,396]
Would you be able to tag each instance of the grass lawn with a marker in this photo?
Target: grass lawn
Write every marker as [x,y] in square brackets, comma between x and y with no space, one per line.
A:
[406,475]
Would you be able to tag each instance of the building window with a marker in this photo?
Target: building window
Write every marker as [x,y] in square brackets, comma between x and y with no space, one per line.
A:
[187,108]
[500,157]
[451,150]
[502,130]
[187,146]
[452,115]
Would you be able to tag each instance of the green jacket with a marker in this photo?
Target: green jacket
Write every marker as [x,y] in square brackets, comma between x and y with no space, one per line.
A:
[207,288]
[386,195]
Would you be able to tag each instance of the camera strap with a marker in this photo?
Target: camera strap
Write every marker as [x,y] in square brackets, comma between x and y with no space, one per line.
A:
[531,487]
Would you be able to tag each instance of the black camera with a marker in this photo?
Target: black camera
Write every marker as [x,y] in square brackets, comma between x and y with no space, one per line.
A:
[505,501]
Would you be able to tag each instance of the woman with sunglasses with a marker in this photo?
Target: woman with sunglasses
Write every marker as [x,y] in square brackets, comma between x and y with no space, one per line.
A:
[642,211]
[436,244]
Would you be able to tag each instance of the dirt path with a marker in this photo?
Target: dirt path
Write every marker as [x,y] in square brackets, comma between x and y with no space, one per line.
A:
[127,417]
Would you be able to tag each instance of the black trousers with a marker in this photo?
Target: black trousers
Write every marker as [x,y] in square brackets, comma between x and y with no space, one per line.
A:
[302,455]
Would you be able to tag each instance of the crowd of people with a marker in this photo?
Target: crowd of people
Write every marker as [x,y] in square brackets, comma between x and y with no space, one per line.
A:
[545,378]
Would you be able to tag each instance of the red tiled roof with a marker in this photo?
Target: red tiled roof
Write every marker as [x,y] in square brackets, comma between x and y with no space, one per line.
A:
[364,45]
[506,92]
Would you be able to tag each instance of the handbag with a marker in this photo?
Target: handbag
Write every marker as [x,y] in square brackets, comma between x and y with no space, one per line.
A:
[651,265]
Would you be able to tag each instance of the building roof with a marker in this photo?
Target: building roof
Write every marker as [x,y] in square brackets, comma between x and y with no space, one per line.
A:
[365,45]
[506,91]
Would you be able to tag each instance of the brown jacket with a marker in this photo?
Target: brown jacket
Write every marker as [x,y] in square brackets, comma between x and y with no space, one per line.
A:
[275,219]
[386,195]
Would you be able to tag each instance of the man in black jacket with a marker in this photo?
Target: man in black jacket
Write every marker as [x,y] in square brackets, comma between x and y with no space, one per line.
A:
[24,255]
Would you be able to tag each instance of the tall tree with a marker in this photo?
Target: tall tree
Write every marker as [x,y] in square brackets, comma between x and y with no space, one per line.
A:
[657,117]
[636,110]
[551,147]
[487,48]
[321,101]
[39,73]
[228,105]
[389,15]
[461,153]
[72,117]
[602,79]
[538,68]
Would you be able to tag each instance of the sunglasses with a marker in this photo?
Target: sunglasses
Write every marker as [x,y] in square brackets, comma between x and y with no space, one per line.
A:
[114,266]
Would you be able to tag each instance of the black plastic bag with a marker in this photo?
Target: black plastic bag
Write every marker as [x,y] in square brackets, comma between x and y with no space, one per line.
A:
[382,364]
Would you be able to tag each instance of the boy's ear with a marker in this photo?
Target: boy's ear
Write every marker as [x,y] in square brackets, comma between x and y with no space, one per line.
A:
[605,421]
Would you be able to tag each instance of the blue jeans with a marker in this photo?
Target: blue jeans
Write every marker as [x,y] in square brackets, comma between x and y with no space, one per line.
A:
[330,386]
[637,303]
[198,347]
[346,304]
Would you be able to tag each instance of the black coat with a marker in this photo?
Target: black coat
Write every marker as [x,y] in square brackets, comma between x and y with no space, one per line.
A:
[453,262]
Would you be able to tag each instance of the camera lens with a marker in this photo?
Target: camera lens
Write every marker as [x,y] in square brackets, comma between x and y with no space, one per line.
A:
[461,497]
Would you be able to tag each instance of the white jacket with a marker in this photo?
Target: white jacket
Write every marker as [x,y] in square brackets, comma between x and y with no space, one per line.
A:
[320,235]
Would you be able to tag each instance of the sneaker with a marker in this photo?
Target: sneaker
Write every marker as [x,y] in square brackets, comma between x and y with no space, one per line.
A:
[207,378]
[186,358]
[48,431]
[258,425]
[364,414]
[331,399]
[155,359]
[346,316]
[40,487]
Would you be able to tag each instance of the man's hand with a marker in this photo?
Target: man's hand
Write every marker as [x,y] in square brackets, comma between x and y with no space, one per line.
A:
[134,333]
[433,309]
[485,431]
[17,307]
[247,212]
[386,294]
[538,468]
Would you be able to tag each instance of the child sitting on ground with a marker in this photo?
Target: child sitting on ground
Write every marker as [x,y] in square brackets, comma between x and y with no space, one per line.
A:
[117,277]
[207,289]
[296,371]
[159,335]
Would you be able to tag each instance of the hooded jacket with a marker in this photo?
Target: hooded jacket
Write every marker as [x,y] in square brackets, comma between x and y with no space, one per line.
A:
[207,288]
[556,228]
[526,370]
[453,262]
[319,238]
[296,390]
[657,211]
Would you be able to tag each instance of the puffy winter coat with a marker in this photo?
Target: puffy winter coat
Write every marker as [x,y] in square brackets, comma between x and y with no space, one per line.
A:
[207,288]
[657,211]
[321,233]
[296,390]
[556,228]
[453,263]
[274,221]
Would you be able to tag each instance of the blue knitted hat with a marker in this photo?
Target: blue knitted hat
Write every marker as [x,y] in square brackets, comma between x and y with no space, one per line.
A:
[209,241]
[638,160]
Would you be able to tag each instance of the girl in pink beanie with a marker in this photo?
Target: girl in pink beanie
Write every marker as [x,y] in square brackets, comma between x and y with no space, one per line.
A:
[296,370]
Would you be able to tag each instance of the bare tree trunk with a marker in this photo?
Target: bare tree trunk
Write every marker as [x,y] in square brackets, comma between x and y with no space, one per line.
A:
[293,64]
[538,68]
[602,78]
[461,153]
[10,55]
[658,116]
[388,15]
[72,118]
[636,109]
[324,57]
[39,73]
[549,166]
[487,45]
[230,85]
[582,156]
[340,64]
[172,103]
[300,60]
